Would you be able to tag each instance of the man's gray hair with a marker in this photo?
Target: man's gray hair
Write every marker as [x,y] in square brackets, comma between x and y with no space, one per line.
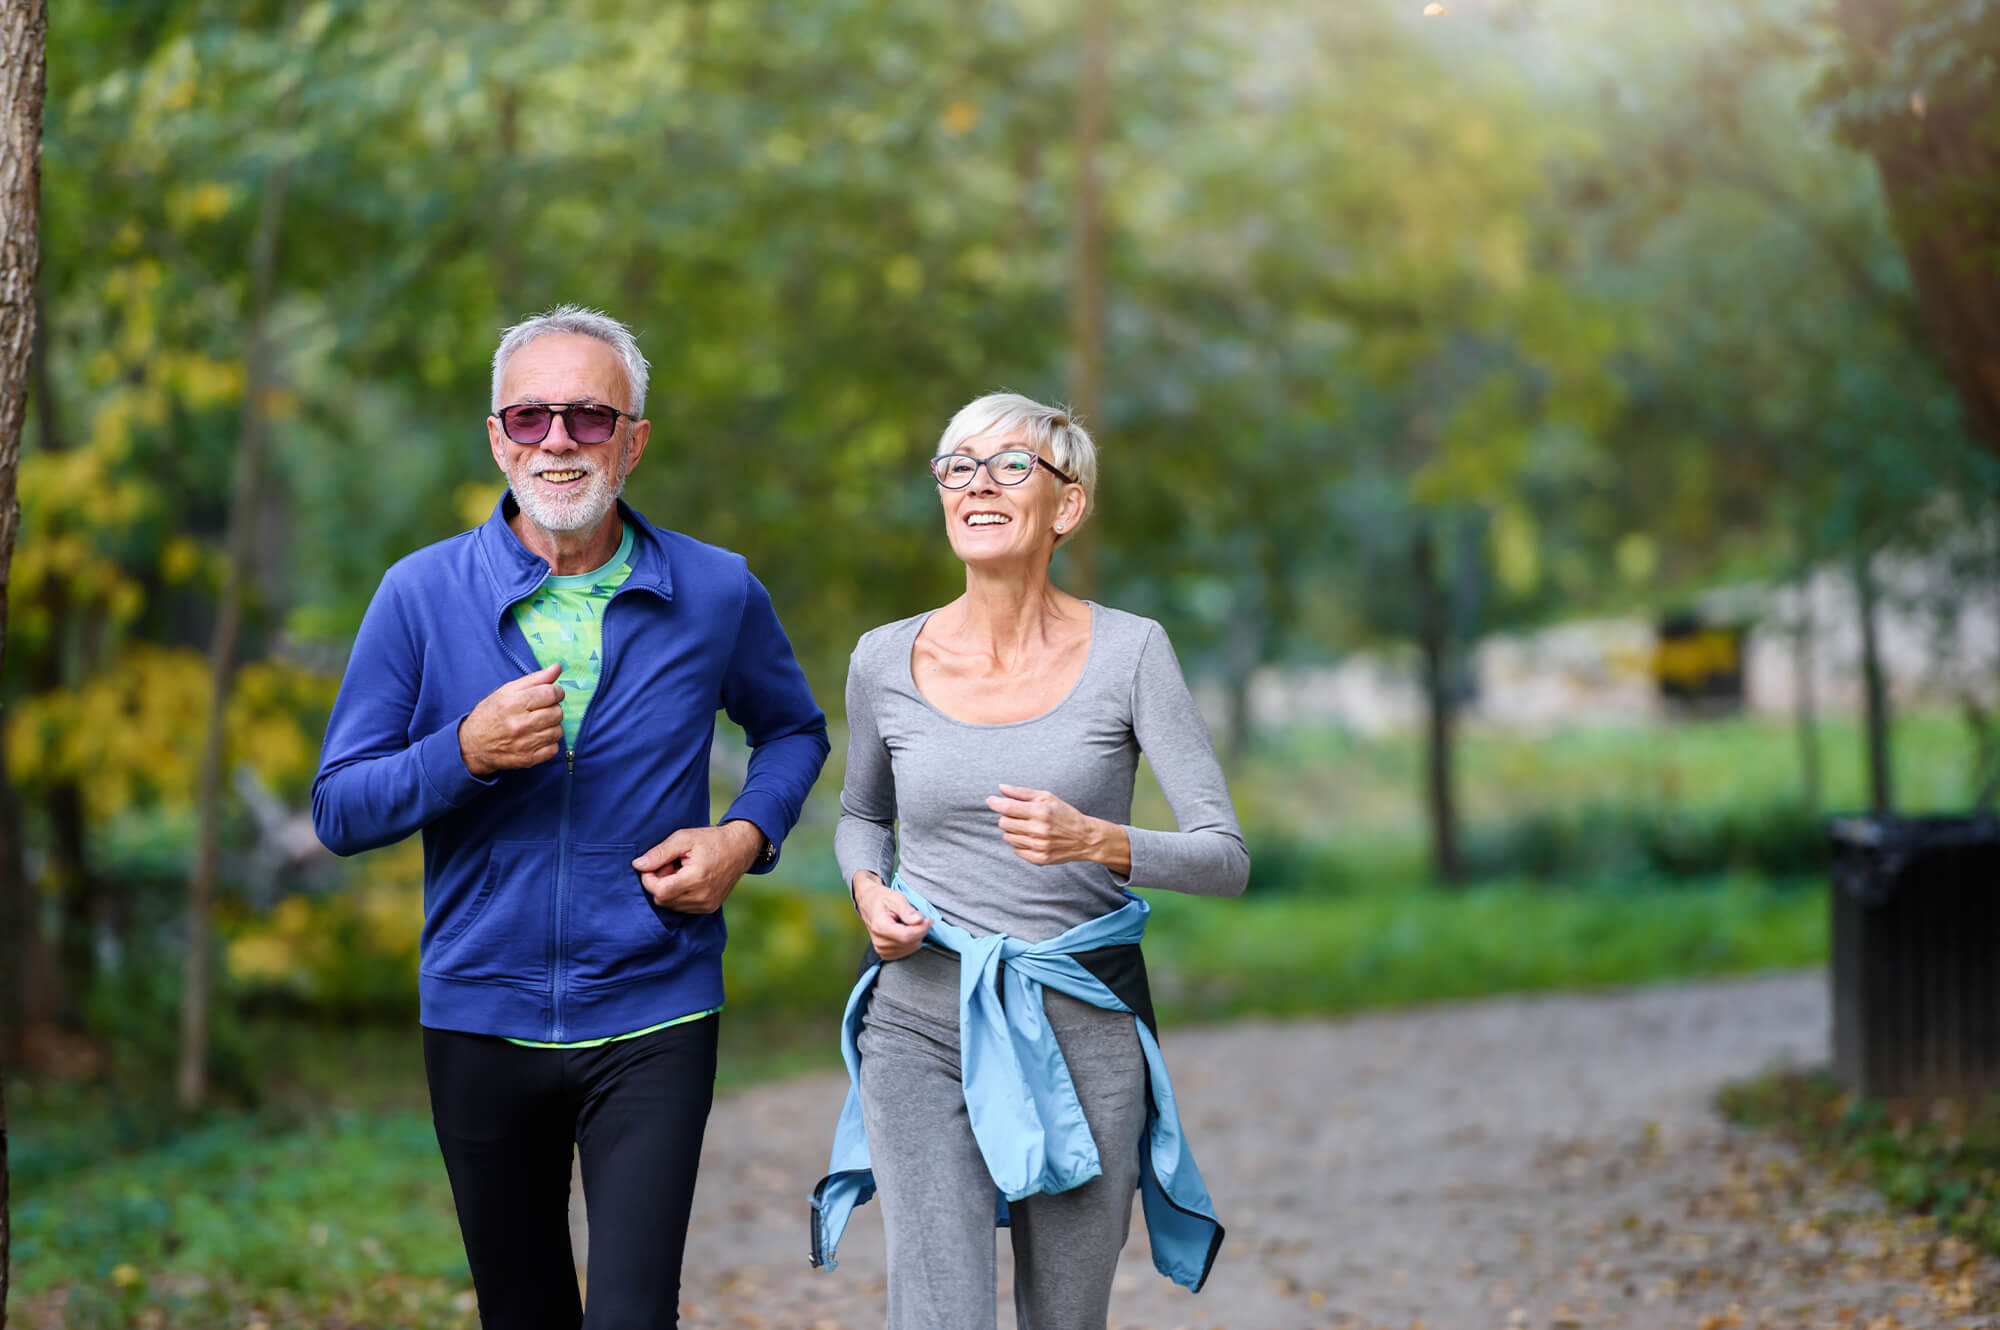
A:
[1050,430]
[582,322]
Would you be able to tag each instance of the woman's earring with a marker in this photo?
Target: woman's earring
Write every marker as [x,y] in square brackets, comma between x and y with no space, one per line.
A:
[1058,528]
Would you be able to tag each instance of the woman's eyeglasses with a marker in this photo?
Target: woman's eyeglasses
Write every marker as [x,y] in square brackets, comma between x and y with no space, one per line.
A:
[955,471]
[584,422]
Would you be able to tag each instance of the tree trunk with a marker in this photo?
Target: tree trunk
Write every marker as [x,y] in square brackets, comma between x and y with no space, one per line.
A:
[1434,641]
[505,213]
[1875,689]
[76,896]
[1086,284]
[81,906]
[19,927]
[1940,169]
[32,992]
[1241,654]
[191,1080]
[1805,702]
[24,26]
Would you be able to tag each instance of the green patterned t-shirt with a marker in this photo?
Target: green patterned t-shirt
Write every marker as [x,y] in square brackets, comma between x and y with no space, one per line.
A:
[564,621]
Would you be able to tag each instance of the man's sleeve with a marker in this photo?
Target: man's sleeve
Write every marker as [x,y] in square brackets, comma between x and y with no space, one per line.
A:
[375,786]
[765,692]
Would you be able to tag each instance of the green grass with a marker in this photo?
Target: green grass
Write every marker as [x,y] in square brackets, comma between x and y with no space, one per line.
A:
[326,1204]
[1348,792]
[315,1209]
[1940,1159]
[1287,956]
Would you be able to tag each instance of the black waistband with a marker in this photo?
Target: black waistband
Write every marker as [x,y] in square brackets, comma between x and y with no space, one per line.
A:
[1120,968]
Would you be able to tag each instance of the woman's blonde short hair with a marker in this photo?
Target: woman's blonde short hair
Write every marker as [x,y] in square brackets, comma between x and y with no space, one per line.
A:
[1049,430]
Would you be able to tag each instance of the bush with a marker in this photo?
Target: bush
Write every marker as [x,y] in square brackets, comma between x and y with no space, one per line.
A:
[1298,955]
[1597,842]
[1288,864]
[1940,1159]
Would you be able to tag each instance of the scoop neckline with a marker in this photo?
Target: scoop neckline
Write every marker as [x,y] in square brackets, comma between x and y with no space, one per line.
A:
[910,674]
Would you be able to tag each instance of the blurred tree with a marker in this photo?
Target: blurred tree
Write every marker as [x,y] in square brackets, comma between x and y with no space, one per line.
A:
[1376,341]
[23,69]
[150,312]
[1086,278]
[191,1080]
[1916,89]
[1840,436]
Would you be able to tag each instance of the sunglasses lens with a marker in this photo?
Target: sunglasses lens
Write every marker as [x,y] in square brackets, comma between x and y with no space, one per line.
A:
[525,424]
[590,424]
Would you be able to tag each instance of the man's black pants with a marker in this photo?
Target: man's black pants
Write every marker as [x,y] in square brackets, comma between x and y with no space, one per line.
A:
[506,1118]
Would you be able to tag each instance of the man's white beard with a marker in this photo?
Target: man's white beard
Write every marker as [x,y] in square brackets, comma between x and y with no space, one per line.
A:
[573,512]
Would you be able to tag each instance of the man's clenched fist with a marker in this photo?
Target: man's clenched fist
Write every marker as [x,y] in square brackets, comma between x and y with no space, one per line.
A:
[516,725]
[696,868]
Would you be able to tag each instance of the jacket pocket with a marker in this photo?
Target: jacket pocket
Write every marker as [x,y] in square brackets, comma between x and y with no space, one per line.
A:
[500,934]
[615,933]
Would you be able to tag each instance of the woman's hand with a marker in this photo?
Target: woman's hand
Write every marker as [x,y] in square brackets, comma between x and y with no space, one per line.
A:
[894,926]
[1045,830]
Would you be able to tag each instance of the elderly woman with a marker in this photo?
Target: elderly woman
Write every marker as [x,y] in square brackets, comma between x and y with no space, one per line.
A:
[1000,1041]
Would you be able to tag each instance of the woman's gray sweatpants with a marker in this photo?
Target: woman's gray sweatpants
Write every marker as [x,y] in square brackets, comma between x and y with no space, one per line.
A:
[936,1196]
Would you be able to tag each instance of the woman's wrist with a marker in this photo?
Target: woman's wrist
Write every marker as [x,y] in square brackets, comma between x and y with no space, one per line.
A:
[865,878]
[1110,846]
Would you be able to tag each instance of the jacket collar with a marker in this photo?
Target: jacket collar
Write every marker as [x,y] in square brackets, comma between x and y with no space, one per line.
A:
[516,570]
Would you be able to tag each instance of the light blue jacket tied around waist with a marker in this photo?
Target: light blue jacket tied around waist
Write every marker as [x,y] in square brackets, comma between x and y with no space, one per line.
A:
[1019,1096]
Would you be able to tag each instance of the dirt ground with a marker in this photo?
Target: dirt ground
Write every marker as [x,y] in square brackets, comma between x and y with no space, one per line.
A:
[1550,1162]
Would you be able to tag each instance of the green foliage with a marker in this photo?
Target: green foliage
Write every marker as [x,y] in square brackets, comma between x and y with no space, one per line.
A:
[351,953]
[792,952]
[1333,794]
[1940,1159]
[1293,956]
[1608,842]
[350,1217]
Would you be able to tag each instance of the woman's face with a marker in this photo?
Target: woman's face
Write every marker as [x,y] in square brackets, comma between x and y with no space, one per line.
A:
[991,522]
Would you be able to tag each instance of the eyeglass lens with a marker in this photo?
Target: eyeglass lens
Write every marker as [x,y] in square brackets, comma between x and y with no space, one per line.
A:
[584,422]
[956,471]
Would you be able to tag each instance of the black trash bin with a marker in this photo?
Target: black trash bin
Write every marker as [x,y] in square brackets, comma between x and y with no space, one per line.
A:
[1916,955]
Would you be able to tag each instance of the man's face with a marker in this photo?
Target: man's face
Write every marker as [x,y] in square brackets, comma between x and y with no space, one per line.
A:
[560,484]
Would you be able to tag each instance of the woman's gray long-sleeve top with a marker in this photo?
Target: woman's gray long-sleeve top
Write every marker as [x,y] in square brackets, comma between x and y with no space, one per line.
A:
[918,780]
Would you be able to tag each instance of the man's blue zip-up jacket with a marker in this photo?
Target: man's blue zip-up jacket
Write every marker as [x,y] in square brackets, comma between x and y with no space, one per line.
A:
[535,923]
[1018,1094]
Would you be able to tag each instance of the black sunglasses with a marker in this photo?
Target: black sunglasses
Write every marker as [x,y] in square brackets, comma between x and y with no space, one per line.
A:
[955,471]
[584,422]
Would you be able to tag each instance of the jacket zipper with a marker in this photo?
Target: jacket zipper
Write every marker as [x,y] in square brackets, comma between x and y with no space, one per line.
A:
[558,977]
[562,837]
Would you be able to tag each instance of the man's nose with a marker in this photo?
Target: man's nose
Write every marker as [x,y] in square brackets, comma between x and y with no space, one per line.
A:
[558,440]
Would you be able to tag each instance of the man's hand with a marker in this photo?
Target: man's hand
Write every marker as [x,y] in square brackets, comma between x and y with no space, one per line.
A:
[1043,829]
[696,868]
[518,724]
[894,926]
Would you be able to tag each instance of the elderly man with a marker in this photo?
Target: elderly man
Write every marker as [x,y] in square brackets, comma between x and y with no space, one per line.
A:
[537,696]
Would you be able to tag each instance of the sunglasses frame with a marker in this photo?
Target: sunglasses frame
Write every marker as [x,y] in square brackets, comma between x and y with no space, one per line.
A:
[983,461]
[561,409]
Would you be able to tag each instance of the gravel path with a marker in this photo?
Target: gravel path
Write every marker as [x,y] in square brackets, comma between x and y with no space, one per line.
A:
[1549,1162]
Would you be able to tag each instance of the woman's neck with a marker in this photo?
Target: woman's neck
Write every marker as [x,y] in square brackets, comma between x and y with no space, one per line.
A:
[1007,613]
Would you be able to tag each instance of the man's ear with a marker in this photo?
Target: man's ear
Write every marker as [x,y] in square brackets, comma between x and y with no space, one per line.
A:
[497,442]
[642,431]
